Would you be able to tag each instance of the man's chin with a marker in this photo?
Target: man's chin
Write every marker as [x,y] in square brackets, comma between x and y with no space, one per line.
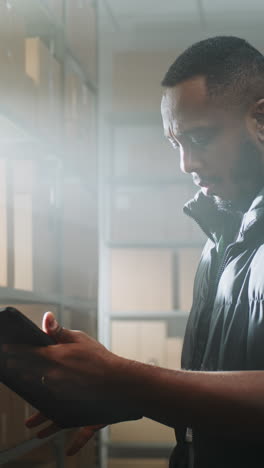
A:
[209,191]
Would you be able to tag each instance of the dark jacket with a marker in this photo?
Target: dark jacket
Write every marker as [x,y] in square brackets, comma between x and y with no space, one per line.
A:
[225,330]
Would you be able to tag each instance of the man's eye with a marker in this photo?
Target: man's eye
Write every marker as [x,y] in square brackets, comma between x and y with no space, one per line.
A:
[200,140]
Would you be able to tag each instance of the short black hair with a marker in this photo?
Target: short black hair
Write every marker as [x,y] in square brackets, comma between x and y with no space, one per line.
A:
[226,62]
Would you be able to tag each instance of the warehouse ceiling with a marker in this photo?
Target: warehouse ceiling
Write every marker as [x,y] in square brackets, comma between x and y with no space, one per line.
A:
[158,23]
[143,13]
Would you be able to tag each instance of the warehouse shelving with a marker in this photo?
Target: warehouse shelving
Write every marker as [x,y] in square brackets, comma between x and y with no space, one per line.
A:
[21,296]
[19,140]
[137,315]
[139,450]
[154,245]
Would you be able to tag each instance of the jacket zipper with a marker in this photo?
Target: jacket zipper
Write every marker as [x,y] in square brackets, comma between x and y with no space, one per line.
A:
[212,291]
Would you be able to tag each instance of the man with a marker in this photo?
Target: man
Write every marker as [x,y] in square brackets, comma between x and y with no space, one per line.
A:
[213,112]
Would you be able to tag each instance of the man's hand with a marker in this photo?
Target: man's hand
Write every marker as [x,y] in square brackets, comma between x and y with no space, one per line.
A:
[79,440]
[84,434]
[83,380]
[85,384]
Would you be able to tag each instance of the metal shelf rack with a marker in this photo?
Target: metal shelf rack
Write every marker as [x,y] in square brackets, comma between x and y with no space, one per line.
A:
[40,22]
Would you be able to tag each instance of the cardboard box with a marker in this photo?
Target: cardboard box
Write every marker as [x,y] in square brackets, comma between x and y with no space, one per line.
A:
[131,71]
[173,353]
[141,280]
[35,227]
[125,339]
[12,56]
[150,215]
[143,341]
[14,91]
[45,71]
[142,431]
[141,152]
[23,255]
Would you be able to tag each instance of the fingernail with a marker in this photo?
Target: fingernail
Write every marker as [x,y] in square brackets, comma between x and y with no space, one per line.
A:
[53,324]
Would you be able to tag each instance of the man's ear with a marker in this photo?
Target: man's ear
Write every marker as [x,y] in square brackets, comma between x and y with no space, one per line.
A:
[258,119]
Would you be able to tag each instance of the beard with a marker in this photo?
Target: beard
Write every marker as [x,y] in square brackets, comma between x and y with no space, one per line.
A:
[247,175]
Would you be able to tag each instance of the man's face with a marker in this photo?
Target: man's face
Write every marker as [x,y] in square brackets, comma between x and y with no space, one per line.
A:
[214,143]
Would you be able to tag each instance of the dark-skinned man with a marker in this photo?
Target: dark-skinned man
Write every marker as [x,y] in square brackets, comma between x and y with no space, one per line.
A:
[213,113]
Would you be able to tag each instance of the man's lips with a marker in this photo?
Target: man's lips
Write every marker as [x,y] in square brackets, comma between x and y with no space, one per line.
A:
[205,182]
[208,185]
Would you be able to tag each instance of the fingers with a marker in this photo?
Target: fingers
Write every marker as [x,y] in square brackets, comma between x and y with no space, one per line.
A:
[81,438]
[48,431]
[39,418]
[35,420]
[56,331]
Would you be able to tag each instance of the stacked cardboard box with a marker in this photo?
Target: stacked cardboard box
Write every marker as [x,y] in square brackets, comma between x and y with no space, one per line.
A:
[36,256]
[141,280]
[23,172]
[144,342]
[45,71]
[17,90]
[151,214]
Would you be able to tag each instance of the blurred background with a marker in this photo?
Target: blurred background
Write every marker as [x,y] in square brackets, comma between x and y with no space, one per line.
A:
[91,196]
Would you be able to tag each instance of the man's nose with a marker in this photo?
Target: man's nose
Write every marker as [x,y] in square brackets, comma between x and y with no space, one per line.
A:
[190,161]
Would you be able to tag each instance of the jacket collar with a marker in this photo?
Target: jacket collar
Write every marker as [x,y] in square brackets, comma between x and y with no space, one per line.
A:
[214,221]
[254,217]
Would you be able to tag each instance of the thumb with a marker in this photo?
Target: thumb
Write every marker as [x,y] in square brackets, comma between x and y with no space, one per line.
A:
[56,331]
